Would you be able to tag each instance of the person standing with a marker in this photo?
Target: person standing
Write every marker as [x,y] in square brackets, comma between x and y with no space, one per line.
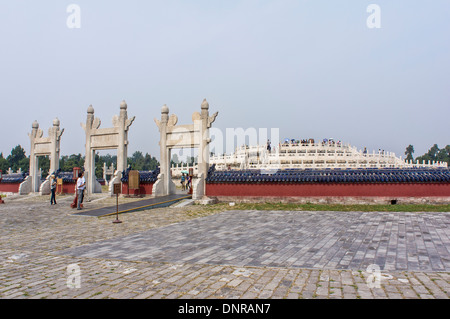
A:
[183,180]
[81,185]
[53,189]
[188,183]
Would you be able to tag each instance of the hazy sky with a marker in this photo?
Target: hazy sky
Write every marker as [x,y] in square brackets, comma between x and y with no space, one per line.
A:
[312,68]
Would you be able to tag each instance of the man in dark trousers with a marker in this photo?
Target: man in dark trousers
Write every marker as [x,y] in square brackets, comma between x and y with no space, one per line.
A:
[81,185]
[53,189]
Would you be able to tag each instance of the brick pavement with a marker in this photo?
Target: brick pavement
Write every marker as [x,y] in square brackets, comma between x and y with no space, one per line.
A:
[322,240]
[38,242]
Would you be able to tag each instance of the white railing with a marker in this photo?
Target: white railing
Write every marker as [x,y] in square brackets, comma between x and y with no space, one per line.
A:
[314,155]
[177,169]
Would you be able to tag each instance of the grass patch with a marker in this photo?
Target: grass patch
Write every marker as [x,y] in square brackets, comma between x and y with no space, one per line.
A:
[334,207]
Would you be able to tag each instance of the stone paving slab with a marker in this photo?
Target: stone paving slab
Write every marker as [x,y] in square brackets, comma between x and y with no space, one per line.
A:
[33,233]
[313,240]
[44,276]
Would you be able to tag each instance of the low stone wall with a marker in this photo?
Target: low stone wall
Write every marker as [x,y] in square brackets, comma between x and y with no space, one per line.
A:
[334,200]
[9,187]
[331,192]
[14,188]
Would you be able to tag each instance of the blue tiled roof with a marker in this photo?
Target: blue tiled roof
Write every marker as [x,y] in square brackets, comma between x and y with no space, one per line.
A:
[412,175]
[67,177]
[13,178]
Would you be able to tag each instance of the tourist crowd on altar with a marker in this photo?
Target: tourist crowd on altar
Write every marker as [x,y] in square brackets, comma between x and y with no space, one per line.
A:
[325,142]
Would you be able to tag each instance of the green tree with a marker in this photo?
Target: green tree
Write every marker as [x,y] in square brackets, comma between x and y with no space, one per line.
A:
[98,165]
[4,165]
[43,164]
[442,155]
[136,161]
[150,163]
[15,160]
[409,153]
[433,151]
[109,159]
[67,163]
[435,154]
[142,163]
[24,164]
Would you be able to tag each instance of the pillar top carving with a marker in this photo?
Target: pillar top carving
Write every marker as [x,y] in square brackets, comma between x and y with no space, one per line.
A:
[205,105]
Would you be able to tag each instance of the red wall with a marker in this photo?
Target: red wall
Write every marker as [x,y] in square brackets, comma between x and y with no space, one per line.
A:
[144,189]
[14,188]
[9,187]
[68,188]
[330,189]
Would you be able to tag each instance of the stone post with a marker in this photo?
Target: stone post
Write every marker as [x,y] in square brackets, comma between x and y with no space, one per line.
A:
[165,153]
[55,136]
[104,171]
[89,166]
[122,150]
[203,152]
[34,161]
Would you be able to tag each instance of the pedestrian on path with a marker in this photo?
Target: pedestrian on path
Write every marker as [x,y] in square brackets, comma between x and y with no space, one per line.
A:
[53,189]
[81,185]
[188,183]
[183,180]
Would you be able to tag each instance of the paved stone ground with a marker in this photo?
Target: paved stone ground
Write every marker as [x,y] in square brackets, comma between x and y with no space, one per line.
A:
[203,253]
[322,240]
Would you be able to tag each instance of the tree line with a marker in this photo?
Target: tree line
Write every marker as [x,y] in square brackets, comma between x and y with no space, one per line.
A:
[18,160]
[434,154]
[138,161]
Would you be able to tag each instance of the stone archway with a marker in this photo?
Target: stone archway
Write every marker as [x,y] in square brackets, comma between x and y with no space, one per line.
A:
[194,135]
[98,138]
[42,146]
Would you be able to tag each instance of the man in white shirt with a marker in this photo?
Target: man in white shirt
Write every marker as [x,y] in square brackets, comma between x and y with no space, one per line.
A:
[81,185]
